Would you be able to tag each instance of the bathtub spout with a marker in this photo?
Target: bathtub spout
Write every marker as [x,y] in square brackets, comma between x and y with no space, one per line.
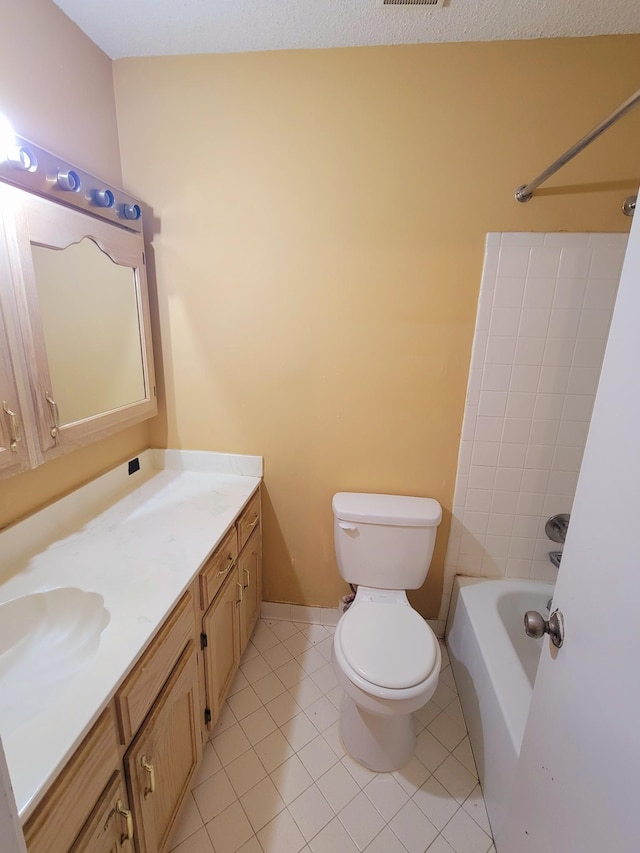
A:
[555,557]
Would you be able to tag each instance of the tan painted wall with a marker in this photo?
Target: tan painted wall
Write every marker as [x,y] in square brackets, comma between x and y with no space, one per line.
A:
[321,220]
[56,88]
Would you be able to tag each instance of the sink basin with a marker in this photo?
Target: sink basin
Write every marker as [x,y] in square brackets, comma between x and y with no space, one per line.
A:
[45,640]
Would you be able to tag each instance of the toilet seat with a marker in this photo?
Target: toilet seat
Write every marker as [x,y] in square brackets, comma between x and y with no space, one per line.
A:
[387,646]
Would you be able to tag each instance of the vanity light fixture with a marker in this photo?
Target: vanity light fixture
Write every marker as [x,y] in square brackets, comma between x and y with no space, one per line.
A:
[21,157]
[32,168]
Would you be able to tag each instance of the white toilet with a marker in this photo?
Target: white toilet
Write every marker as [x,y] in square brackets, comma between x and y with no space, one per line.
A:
[386,658]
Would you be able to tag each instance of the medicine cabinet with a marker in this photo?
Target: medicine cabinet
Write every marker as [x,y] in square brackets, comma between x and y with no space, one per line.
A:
[76,361]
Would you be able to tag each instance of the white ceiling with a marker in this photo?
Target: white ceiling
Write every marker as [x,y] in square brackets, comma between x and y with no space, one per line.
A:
[164,27]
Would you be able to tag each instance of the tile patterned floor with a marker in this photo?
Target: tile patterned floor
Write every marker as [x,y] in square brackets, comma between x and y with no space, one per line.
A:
[275,778]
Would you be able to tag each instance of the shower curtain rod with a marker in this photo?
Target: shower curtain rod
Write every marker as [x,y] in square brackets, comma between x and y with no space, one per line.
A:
[525,192]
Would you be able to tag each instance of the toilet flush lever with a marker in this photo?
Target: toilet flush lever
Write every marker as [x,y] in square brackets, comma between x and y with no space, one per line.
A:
[344,525]
[537,626]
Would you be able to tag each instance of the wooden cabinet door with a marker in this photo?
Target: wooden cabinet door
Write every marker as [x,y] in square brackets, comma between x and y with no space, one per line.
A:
[161,760]
[109,828]
[16,445]
[221,625]
[250,574]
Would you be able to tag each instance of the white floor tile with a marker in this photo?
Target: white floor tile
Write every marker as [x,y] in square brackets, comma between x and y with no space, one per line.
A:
[306,692]
[251,846]
[334,838]
[361,820]
[386,794]
[284,630]
[325,678]
[338,787]
[325,646]
[258,725]
[229,830]
[447,731]
[464,834]
[245,772]
[225,720]
[465,756]
[441,845]
[297,644]
[262,803]
[430,751]
[209,765]
[311,660]
[446,675]
[281,835]
[362,775]
[244,702]
[474,806]
[199,842]
[455,778]
[255,668]
[317,757]
[277,656]
[322,714]
[269,688]
[214,795]
[283,708]
[314,633]
[436,803]
[291,779]
[413,829]
[299,731]
[412,775]
[291,673]
[189,822]
[454,710]
[386,842]
[332,737]
[427,713]
[443,695]
[336,696]
[249,652]
[273,750]
[230,743]
[239,683]
[311,812]
[264,639]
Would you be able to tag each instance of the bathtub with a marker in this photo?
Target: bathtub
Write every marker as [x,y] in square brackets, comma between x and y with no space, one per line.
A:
[495,664]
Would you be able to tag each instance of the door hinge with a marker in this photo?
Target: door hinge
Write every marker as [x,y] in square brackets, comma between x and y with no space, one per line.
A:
[203,642]
[207,716]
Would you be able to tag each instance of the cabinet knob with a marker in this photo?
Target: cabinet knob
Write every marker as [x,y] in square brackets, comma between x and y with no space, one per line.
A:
[147,766]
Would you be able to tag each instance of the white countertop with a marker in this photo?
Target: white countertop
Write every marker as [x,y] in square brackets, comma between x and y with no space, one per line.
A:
[136,540]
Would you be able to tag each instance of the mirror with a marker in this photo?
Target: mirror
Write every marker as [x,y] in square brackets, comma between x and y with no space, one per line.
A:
[91,325]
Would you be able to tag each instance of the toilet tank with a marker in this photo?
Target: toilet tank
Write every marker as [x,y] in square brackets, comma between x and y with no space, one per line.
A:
[384,541]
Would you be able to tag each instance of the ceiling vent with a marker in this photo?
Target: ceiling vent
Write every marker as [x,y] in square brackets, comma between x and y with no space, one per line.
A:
[433,3]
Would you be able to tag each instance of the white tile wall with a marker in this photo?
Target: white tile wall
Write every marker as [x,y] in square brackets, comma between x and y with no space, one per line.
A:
[543,317]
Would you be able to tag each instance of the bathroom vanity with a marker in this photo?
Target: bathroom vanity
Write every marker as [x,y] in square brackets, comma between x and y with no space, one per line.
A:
[163,571]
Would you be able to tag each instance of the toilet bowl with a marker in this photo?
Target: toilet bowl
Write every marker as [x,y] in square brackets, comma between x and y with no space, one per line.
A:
[385,656]
[387,660]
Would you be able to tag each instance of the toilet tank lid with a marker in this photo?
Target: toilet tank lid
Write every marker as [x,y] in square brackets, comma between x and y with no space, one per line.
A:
[400,510]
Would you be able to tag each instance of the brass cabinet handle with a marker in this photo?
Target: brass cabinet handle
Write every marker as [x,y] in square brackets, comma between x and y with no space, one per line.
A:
[227,567]
[126,814]
[14,428]
[241,588]
[55,429]
[148,767]
[255,521]
[247,578]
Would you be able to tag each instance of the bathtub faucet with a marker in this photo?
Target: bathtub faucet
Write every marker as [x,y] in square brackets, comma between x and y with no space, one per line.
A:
[555,557]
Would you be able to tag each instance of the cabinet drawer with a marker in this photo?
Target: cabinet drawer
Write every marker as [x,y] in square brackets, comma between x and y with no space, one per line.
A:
[217,568]
[249,520]
[138,692]
[57,821]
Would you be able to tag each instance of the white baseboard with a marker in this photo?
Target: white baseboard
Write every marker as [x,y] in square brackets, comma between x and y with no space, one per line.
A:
[298,613]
